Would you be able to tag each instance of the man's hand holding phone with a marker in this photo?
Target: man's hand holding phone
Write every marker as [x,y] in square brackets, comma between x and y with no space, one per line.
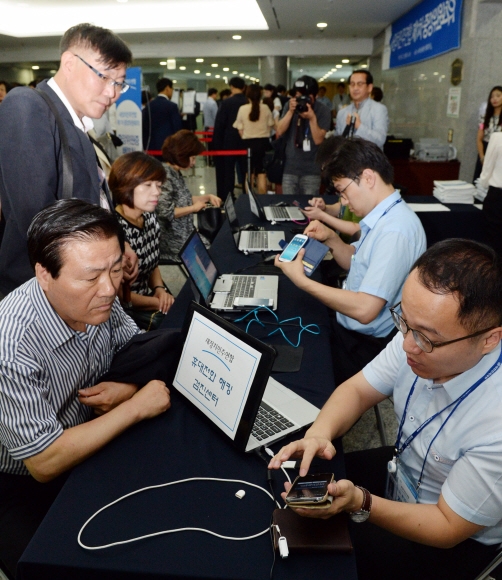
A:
[305,449]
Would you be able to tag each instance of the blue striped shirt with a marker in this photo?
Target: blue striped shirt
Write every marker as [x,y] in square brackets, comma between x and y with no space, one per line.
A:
[43,364]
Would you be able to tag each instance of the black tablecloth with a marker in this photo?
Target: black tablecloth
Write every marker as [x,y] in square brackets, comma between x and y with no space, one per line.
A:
[182,444]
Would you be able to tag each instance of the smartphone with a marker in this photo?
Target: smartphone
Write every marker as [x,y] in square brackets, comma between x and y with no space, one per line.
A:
[292,249]
[311,489]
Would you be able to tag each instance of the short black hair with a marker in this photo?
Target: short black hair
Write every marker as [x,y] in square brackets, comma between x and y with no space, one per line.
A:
[64,221]
[270,87]
[281,88]
[369,76]
[237,83]
[212,91]
[309,87]
[472,272]
[163,83]
[340,157]
[112,49]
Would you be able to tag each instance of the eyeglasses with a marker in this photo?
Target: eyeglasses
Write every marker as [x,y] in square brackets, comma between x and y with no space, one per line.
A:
[121,87]
[342,192]
[359,84]
[422,341]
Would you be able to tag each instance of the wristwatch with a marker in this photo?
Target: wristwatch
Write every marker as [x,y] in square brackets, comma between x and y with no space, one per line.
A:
[363,514]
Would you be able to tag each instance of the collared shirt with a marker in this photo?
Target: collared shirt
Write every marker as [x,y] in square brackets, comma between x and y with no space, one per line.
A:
[492,165]
[388,247]
[465,460]
[43,364]
[210,110]
[374,121]
[85,124]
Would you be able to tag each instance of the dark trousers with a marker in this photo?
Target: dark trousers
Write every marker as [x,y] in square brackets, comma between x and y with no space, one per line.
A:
[23,505]
[492,210]
[352,351]
[225,175]
[381,554]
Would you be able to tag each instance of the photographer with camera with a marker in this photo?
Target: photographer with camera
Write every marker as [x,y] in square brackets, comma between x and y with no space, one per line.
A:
[303,124]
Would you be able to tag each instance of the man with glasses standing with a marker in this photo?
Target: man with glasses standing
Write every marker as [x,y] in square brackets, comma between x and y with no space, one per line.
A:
[442,512]
[392,238]
[90,78]
[364,117]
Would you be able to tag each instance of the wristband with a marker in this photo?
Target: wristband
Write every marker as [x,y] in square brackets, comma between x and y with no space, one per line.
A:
[163,288]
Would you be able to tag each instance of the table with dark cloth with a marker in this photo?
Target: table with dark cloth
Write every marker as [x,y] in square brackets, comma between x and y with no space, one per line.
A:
[183,444]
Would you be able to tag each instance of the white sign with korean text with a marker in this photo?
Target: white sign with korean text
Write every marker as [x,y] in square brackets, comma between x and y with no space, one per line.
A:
[215,372]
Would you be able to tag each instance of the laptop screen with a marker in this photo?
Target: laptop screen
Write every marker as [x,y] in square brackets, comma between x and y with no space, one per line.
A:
[198,262]
[230,212]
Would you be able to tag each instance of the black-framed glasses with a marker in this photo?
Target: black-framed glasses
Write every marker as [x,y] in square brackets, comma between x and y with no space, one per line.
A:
[426,344]
[121,87]
[342,192]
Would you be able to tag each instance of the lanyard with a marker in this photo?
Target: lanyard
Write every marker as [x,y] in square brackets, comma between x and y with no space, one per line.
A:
[384,213]
[455,404]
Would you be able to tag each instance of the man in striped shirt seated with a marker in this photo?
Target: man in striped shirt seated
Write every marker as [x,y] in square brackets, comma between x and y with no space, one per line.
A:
[58,335]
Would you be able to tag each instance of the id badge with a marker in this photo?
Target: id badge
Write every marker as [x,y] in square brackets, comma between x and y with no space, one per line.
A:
[401,485]
[306,145]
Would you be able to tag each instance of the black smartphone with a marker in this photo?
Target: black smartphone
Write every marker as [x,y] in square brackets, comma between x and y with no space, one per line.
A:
[310,489]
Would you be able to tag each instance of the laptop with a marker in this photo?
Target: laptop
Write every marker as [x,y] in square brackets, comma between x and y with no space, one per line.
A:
[225,292]
[225,372]
[286,213]
[251,241]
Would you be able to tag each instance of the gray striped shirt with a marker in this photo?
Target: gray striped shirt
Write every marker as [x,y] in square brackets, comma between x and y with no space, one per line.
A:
[43,363]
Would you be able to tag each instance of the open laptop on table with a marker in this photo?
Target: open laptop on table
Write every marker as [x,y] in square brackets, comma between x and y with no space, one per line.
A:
[225,372]
[272,213]
[228,291]
[251,241]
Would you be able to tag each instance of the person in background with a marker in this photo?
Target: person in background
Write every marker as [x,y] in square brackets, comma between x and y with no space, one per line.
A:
[377,94]
[4,89]
[283,95]
[489,123]
[270,92]
[146,97]
[224,94]
[254,123]
[491,178]
[135,181]
[210,109]
[340,100]
[176,203]
[322,98]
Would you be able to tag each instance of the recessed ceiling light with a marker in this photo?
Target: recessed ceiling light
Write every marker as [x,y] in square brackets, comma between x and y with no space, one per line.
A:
[364,66]
[345,60]
[175,81]
[199,60]
[171,64]
[216,76]
[208,74]
[234,72]
[225,69]
[241,75]
[183,67]
[322,24]
[342,80]
[35,67]
[196,72]
[163,62]
[246,77]
[338,66]
[214,65]
[53,72]
[236,36]
[436,73]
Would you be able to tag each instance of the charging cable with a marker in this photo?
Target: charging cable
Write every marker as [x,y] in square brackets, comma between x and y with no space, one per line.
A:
[173,531]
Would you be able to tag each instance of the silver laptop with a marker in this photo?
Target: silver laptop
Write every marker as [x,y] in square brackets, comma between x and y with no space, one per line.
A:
[251,241]
[286,213]
[225,372]
[228,291]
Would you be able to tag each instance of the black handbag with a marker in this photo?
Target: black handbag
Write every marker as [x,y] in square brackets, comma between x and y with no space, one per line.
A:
[274,162]
[209,222]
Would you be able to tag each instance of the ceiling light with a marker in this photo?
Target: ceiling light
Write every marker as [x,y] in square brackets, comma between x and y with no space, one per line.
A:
[338,66]
[322,25]
[342,80]
[216,76]
[364,66]
[225,69]
[214,65]
[333,69]
[236,36]
[171,64]
[196,72]
[35,67]
[175,81]
[163,62]
[208,74]
[241,75]
[199,60]
[234,72]
[53,72]
[183,67]
[246,77]
[436,73]
[345,60]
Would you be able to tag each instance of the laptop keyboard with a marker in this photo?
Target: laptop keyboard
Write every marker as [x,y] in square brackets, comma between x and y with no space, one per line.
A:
[242,286]
[269,422]
[279,212]
[258,240]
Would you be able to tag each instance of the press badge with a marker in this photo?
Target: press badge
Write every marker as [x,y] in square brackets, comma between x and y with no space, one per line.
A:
[401,485]
[306,145]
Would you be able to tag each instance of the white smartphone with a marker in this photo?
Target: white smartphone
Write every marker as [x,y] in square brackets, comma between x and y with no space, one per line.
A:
[292,249]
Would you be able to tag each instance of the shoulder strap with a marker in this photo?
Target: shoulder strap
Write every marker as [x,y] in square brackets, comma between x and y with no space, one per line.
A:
[67,165]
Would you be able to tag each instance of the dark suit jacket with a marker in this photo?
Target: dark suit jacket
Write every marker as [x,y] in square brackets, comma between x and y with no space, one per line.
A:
[161,118]
[225,136]
[31,172]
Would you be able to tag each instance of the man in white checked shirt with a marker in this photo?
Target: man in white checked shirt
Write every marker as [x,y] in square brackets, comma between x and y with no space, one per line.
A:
[59,333]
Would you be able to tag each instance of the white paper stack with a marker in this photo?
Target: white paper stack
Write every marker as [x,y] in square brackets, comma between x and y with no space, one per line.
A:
[454,191]
[480,191]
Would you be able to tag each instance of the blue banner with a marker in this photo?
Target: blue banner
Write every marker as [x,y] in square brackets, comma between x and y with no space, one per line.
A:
[129,113]
[428,30]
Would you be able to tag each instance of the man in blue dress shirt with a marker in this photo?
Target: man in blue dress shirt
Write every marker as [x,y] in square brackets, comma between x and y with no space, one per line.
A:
[392,238]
